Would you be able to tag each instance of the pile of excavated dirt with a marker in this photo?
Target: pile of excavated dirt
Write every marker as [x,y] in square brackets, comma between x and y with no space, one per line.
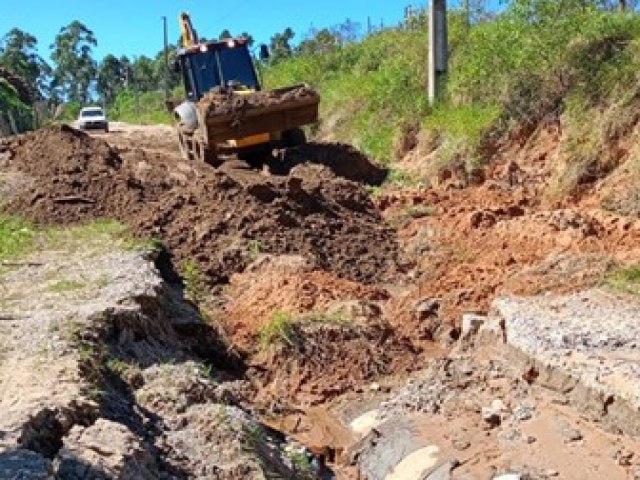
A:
[223,101]
[221,219]
[290,285]
[319,359]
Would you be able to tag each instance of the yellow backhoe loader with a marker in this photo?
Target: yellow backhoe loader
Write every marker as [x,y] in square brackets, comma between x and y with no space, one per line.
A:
[226,111]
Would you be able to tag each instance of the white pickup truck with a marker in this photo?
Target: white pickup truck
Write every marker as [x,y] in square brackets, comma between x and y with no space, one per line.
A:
[92,118]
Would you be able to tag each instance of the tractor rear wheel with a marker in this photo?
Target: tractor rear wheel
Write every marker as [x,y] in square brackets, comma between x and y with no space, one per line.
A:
[294,137]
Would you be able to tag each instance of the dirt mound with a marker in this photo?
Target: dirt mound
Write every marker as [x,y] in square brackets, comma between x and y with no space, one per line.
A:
[284,284]
[224,101]
[355,352]
[343,160]
[219,219]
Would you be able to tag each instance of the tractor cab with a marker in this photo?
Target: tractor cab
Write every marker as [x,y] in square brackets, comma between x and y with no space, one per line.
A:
[217,64]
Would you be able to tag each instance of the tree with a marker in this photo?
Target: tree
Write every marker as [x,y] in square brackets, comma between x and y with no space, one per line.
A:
[250,40]
[280,45]
[18,54]
[160,69]
[346,32]
[111,77]
[75,67]
[143,76]
[318,42]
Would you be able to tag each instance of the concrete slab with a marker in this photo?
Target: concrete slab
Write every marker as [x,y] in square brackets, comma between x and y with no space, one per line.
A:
[585,345]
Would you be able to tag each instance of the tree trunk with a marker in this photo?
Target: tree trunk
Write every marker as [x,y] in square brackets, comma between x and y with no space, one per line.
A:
[12,123]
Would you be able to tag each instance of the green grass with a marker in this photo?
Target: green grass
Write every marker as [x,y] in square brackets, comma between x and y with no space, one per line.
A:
[146,108]
[195,285]
[458,131]
[517,69]
[280,330]
[121,367]
[368,89]
[63,286]
[17,237]
[255,249]
[285,329]
[96,233]
[626,280]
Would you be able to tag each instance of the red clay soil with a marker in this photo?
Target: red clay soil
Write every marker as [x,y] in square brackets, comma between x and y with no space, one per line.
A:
[218,218]
[503,236]
[284,284]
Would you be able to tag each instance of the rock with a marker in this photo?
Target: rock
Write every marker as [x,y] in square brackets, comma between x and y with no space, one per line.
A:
[509,435]
[24,464]
[482,219]
[427,307]
[355,310]
[471,324]
[105,449]
[442,472]
[523,412]
[384,447]
[460,443]
[492,331]
[551,473]
[530,374]
[623,457]
[572,434]
[508,476]
[491,417]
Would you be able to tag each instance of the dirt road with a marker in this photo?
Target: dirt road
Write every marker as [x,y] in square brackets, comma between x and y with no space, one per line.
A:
[341,303]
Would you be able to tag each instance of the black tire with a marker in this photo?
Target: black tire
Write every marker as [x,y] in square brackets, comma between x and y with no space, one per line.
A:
[106,128]
[294,138]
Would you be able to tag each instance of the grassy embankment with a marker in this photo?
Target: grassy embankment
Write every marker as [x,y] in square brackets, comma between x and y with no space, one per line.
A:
[537,61]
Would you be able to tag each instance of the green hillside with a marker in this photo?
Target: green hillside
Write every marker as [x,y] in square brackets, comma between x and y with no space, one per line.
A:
[537,60]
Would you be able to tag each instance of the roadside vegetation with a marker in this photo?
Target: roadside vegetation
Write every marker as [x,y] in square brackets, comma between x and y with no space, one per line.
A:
[537,61]
[18,238]
[626,280]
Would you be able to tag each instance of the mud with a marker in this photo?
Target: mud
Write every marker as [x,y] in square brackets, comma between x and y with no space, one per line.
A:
[222,101]
[218,219]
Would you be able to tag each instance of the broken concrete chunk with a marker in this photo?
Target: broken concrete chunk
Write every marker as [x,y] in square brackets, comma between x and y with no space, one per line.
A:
[471,324]
[442,472]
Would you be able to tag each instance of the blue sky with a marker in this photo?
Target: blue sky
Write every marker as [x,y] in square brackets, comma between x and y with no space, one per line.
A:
[134,27]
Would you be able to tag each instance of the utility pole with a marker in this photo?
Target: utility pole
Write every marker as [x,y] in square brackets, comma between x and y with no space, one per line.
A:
[166,57]
[438,46]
